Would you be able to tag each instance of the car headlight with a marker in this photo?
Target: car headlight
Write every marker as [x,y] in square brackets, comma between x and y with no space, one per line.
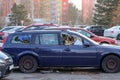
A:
[2,62]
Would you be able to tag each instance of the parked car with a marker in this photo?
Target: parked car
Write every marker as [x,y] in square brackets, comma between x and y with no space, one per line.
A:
[96,29]
[6,64]
[100,39]
[49,48]
[37,26]
[6,28]
[113,32]
[12,30]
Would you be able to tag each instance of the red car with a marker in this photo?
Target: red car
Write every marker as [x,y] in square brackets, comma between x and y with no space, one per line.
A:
[38,26]
[89,34]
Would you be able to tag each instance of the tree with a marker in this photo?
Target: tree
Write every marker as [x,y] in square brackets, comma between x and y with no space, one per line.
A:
[104,11]
[73,14]
[18,13]
[116,18]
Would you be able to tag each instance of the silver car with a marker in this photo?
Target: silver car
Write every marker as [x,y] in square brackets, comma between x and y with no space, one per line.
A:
[113,32]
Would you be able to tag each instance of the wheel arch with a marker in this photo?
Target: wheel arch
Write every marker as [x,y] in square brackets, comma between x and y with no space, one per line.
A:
[105,42]
[118,36]
[108,55]
[36,56]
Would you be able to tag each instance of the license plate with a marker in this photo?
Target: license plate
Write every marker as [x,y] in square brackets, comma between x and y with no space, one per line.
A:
[11,67]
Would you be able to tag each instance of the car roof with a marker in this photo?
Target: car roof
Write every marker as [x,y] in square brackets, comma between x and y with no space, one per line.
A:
[116,26]
[39,24]
[62,27]
[37,31]
[95,26]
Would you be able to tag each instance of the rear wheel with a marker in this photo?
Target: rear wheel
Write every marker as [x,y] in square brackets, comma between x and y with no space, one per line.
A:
[118,37]
[28,64]
[111,64]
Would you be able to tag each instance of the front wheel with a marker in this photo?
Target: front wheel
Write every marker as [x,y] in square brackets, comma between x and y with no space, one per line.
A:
[111,64]
[28,64]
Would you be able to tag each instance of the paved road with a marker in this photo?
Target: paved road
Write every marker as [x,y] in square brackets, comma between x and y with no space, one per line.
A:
[79,74]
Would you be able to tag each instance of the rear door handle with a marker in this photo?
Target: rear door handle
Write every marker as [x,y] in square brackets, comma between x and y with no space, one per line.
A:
[36,48]
[67,49]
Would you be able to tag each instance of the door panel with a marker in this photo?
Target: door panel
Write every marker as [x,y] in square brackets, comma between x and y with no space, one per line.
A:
[50,55]
[48,47]
[79,55]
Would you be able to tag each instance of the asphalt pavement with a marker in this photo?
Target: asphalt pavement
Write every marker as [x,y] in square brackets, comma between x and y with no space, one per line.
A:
[79,74]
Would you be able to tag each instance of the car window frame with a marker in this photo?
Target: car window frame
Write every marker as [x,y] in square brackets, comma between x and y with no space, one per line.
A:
[21,43]
[35,35]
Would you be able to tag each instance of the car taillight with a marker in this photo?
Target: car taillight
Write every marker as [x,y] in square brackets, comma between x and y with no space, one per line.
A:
[4,40]
[2,43]
[0,48]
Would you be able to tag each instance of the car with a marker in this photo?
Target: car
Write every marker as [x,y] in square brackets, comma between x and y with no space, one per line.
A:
[99,39]
[96,29]
[6,28]
[37,26]
[6,64]
[2,34]
[55,48]
[113,32]
[12,30]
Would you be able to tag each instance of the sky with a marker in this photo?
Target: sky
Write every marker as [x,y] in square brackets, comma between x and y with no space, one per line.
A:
[78,3]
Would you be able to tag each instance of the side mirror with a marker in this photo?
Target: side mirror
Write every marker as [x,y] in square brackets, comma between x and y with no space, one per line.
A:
[91,36]
[85,43]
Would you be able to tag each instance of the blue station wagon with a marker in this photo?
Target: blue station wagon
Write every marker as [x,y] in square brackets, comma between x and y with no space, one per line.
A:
[57,48]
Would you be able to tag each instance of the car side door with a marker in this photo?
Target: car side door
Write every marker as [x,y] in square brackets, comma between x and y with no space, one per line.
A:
[47,45]
[80,55]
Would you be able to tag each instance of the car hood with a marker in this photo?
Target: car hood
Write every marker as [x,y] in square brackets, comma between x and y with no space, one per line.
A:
[4,55]
[106,38]
[110,47]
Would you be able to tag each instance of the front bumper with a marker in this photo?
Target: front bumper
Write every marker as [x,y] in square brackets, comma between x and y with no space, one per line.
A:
[5,70]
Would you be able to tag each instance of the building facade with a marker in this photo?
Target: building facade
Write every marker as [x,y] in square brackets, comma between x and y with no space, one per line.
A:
[65,12]
[87,8]
[52,11]
[5,7]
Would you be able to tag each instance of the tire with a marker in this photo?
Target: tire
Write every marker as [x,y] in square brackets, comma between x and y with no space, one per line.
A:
[111,64]
[28,64]
[118,37]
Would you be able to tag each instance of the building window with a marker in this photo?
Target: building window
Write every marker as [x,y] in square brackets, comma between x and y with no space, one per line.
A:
[64,3]
[64,8]
[64,13]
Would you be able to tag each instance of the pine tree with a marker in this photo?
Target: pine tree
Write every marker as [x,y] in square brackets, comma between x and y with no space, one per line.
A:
[104,12]
[18,13]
